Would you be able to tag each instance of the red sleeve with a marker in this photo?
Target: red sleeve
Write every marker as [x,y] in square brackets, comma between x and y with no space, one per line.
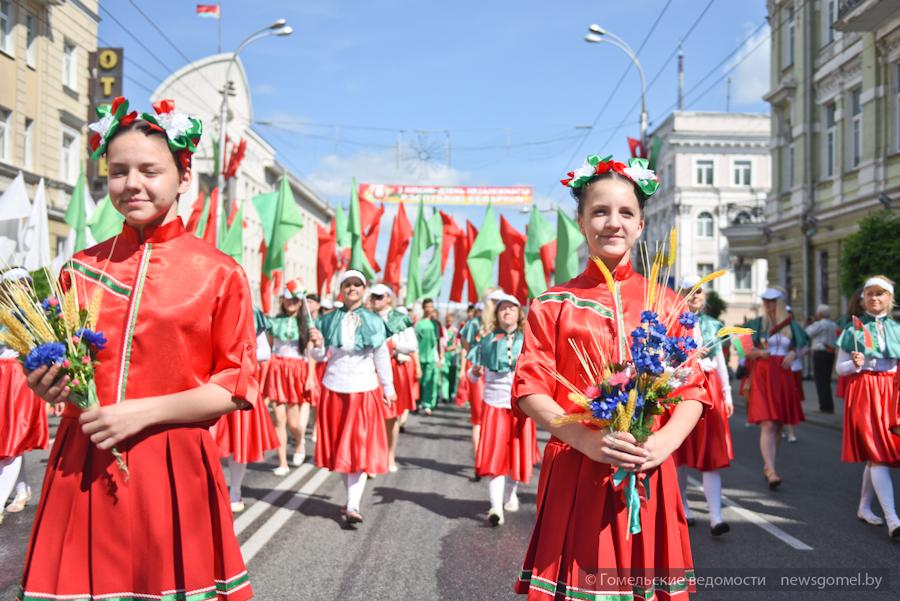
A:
[538,355]
[234,338]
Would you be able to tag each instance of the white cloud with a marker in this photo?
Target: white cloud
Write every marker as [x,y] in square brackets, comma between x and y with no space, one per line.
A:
[750,79]
[263,89]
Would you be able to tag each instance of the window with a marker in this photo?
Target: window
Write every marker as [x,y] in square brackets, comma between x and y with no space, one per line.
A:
[742,218]
[742,173]
[6,27]
[5,134]
[69,67]
[855,127]
[743,279]
[30,36]
[703,270]
[788,33]
[787,167]
[29,144]
[830,139]
[829,15]
[68,156]
[704,173]
[823,277]
[705,225]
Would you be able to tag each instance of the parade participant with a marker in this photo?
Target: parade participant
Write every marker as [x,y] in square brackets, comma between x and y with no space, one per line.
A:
[868,356]
[428,332]
[245,436]
[469,334]
[403,347]
[23,420]
[854,308]
[822,338]
[180,353]
[450,374]
[507,450]
[290,382]
[582,522]
[353,408]
[708,447]
[774,399]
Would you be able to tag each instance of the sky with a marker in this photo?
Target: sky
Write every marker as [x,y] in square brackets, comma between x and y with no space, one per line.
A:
[474,93]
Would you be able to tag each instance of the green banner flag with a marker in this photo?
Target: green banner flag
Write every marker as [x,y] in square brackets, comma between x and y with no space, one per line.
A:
[76,213]
[487,247]
[106,221]
[420,242]
[540,233]
[286,221]
[233,242]
[340,228]
[358,259]
[568,240]
[431,282]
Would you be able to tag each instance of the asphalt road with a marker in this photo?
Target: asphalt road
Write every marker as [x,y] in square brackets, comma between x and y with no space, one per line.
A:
[425,535]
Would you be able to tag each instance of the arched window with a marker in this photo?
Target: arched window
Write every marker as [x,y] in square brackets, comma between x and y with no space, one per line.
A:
[705,225]
[742,218]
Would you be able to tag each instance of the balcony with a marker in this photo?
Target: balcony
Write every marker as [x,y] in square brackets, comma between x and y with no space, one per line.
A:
[865,15]
[747,239]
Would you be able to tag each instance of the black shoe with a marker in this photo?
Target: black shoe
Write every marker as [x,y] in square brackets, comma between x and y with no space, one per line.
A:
[476,478]
[827,411]
[720,529]
[691,521]
[403,428]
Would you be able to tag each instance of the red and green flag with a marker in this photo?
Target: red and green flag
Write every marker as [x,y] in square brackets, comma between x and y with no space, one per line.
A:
[868,341]
[358,259]
[743,344]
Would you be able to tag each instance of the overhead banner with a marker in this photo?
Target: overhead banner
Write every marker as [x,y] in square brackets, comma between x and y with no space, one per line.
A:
[446,195]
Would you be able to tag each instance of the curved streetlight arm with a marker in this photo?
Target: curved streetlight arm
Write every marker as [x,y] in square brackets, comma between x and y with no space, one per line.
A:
[621,45]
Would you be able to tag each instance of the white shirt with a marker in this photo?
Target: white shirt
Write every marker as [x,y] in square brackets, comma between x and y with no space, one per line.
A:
[822,334]
[350,370]
[845,365]
[779,345]
[286,348]
[715,362]
[497,387]
[263,350]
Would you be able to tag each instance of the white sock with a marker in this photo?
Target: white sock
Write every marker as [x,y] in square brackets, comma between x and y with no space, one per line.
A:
[236,473]
[867,492]
[356,484]
[682,487]
[22,480]
[712,489]
[512,487]
[9,473]
[495,488]
[884,490]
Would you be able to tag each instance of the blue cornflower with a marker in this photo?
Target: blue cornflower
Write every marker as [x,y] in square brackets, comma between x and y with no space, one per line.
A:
[657,332]
[639,334]
[688,319]
[94,339]
[649,316]
[51,305]
[45,354]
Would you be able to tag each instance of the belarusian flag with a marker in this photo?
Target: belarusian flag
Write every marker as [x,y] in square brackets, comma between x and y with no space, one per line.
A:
[106,221]
[743,344]
[209,11]
[568,240]
[281,221]
[401,234]
[358,259]
[868,341]
[540,233]
[484,252]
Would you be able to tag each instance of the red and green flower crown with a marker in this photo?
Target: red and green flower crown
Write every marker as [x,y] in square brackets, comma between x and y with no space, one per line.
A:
[636,170]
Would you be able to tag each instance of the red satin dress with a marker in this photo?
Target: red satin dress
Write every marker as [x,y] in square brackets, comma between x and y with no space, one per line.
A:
[775,394]
[23,416]
[582,520]
[177,315]
[872,408]
[404,383]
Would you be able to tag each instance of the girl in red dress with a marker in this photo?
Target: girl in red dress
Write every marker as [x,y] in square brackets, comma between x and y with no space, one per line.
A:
[358,388]
[582,523]
[507,449]
[872,407]
[290,381]
[23,422]
[180,353]
[469,334]
[708,447]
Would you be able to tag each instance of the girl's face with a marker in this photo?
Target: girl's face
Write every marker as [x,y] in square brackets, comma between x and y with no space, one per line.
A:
[313,306]
[291,306]
[770,306]
[507,315]
[352,291]
[610,218]
[877,300]
[696,302]
[144,182]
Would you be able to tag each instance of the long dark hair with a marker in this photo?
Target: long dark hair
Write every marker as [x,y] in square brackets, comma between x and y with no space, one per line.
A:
[303,325]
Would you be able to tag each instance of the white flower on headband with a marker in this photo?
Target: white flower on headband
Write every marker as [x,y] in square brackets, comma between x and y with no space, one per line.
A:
[586,170]
[638,173]
[102,126]
[175,124]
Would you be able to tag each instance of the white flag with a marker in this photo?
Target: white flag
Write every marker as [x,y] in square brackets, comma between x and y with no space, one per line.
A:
[14,201]
[35,235]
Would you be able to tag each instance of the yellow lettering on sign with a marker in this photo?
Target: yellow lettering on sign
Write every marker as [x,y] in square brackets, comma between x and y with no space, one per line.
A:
[108,59]
[107,81]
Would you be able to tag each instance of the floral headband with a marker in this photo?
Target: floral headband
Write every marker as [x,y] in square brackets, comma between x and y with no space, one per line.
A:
[636,170]
[181,130]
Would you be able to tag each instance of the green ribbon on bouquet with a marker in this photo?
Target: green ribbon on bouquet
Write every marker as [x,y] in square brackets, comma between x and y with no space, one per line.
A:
[632,496]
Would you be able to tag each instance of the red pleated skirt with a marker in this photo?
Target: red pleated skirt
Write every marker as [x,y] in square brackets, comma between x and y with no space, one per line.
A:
[351,435]
[798,384]
[841,386]
[285,380]
[773,393]
[870,411]
[507,445]
[404,376]
[246,435]
[168,530]
[23,415]
[581,527]
[462,389]
[476,401]
[708,447]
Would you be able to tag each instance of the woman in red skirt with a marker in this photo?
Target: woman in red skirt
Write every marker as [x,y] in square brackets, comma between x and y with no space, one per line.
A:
[404,349]
[290,381]
[469,335]
[23,421]
[507,449]
[872,407]
[708,448]
[245,436]
[774,400]
[582,523]
[180,353]
[352,412]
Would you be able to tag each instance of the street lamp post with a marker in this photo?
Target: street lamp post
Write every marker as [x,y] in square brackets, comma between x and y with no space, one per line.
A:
[599,35]
[279,28]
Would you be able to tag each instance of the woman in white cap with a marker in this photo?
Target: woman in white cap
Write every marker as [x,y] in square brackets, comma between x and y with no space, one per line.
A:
[507,449]
[290,379]
[868,355]
[708,447]
[774,400]
[351,436]
[23,420]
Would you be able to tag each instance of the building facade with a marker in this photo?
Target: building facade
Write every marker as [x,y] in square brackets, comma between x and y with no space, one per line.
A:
[835,98]
[715,173]
[44,98]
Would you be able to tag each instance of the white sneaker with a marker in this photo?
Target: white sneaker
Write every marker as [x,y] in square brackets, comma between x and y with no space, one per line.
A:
[495,517]
[237,507]
[393,468]
[281,470]
[512,505]
[299,455]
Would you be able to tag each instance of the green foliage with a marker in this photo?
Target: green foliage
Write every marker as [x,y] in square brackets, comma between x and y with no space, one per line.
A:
[874,249]
[715,306]
[41,285]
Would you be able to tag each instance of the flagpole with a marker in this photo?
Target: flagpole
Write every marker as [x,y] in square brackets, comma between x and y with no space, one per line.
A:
[219,27]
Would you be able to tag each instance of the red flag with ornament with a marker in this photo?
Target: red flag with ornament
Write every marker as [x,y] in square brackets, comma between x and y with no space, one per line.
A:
[450,235]
[461,274]
[401,235]
[512,261]
[326,263]
[370,224]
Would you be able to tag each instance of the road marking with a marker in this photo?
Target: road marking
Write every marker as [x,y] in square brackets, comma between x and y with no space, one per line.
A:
[758,519]
[258,508]
[271,526]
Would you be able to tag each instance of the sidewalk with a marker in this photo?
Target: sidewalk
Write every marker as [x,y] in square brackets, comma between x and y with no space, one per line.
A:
[810,405]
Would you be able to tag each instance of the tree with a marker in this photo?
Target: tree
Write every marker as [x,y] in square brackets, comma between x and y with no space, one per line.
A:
[874,249]
[715,306]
